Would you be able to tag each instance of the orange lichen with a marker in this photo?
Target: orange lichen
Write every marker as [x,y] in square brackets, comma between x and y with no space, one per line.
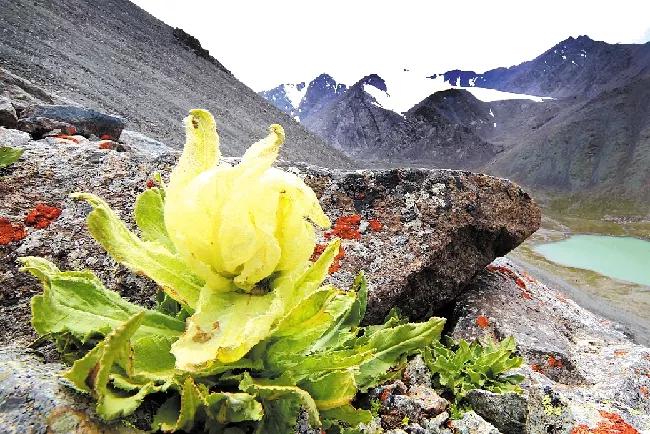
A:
[535,367]
[554,362]
[521,283]
[336,265]
[346,227]
[105,137]
[612,424]
[482,321]
[67,137]
[10,232]
[106,144]
[41,216]
[620,353]
[643,390]
[375,225]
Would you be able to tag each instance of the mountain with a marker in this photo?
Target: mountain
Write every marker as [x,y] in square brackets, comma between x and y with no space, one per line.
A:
[433,132]
[300,100]
[112,56]
[574,67]
[573,122]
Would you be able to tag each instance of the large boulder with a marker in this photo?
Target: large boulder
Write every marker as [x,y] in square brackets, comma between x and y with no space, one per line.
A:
[420,235]
[40,119]
[581,370]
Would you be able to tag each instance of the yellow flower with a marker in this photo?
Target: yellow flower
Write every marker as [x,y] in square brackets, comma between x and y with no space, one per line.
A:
[243,223]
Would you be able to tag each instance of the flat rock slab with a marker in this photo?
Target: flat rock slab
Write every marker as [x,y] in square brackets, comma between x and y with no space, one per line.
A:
[581,369]
[40,119]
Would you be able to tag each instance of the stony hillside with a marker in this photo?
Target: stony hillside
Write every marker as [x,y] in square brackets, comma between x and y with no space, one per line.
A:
[112,56]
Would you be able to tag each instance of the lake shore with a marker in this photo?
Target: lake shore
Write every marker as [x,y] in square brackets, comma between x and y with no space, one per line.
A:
[625,303]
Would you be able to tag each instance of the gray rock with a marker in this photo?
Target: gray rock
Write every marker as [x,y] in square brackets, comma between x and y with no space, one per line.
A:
[33,400]
[40,119]
[141,143]
[416,372]
[472,423]
[8,117]
[13,138]
[400,406]
[578,363]
[507,411]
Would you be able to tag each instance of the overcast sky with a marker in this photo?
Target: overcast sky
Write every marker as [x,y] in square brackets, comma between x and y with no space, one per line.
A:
[265,43]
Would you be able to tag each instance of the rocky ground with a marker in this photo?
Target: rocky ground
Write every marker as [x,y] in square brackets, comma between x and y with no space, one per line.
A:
[424,238]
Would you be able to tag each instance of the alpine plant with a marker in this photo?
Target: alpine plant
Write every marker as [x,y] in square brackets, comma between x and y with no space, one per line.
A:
[245,334]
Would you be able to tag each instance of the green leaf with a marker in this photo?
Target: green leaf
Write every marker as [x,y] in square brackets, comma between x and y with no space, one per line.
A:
[150,218]
[281,402]
[76,302]
[392,344]
[347,414]
[332,390]
[147,257]
[9,155]
[92,373]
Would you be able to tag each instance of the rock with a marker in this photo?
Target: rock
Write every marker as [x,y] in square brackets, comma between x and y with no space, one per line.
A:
[579,365]
[506,411]
[472,423]
[433,229]
[144,144]
[8,117]
[429,231]
[399,406]
[411,216]
[416,373]
[33,400]
[13,138]
[39,119]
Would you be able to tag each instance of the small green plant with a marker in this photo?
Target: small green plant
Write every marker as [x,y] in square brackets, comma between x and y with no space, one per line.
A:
[245,333]
[9,155]
[460,367]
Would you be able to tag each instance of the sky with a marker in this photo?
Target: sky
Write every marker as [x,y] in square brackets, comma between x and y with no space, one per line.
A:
[266,43]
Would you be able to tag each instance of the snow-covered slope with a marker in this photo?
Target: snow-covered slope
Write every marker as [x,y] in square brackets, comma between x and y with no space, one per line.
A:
[405,89]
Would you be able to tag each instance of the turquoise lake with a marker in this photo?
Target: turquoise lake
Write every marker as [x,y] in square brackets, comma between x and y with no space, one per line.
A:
[623,258]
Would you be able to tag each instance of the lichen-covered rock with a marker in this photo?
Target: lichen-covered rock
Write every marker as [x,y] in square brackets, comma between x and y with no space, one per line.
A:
[420,235]
[40,119]
[508,412]
[579,365]
[472,423]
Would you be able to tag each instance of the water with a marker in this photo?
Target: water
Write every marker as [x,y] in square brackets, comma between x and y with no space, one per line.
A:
[623,258]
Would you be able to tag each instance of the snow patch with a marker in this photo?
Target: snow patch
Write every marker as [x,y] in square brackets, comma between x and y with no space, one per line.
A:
[495,125]
[408,88]
[295,93]
[491,113]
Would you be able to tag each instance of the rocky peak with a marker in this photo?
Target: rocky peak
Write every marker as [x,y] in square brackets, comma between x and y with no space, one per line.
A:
[375,81]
